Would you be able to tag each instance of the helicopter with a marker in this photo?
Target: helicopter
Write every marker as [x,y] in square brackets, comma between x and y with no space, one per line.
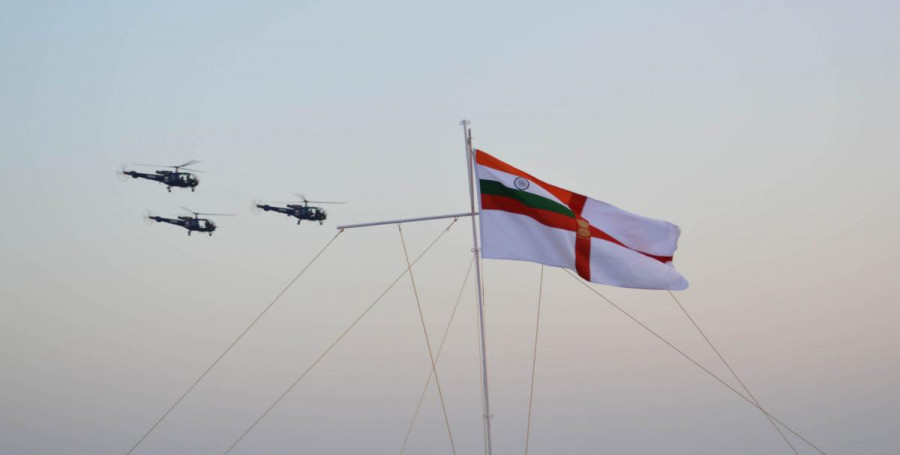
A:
[297,210]
[174,178]
[191,223]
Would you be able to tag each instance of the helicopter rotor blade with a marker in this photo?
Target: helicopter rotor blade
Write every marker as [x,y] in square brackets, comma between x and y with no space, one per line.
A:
[179,166]
[307,201]
[196,214]
[189,163]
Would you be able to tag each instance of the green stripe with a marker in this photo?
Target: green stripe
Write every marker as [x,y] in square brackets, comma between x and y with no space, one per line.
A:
[530,199]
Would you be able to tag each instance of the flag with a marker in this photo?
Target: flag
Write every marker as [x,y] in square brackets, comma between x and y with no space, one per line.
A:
[524,218]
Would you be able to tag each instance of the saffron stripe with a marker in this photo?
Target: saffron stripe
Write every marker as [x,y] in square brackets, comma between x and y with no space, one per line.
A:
[486,159]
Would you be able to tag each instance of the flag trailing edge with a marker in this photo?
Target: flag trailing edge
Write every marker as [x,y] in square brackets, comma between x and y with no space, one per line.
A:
[524,218]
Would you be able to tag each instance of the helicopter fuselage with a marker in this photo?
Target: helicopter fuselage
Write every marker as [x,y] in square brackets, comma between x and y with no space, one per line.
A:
[301,212]
[190,223]
[168,178]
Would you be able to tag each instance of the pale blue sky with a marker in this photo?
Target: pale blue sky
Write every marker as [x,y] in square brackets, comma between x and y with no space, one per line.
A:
[766,130]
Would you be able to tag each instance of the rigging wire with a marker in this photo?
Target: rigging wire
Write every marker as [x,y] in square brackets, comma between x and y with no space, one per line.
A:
[233,343]
[691,359]
[437,381]
[438,356]
[733,373]
[537,327]
[339,338]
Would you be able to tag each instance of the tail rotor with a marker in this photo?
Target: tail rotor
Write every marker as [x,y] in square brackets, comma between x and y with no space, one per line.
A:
[121,175]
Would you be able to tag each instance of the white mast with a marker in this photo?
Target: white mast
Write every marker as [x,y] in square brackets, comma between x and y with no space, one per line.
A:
[470,158]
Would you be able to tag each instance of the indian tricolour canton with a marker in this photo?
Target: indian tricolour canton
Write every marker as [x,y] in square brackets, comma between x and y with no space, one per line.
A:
[524,218]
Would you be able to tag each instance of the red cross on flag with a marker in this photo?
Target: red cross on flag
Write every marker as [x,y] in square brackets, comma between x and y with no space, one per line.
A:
[526,219]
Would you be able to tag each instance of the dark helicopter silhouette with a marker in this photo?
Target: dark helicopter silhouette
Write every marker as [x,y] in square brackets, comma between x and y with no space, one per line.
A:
[191,223]
[301,211]
[175,178]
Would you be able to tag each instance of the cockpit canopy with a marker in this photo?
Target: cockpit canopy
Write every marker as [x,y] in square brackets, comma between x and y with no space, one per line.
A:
[203,223]
[188,178]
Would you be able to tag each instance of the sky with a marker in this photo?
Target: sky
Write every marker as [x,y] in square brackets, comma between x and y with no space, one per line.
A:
[766,130]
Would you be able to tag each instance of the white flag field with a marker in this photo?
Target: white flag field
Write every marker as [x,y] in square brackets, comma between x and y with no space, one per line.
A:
[526,219]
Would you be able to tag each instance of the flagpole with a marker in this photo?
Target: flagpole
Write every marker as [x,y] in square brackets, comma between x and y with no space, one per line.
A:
[467,132]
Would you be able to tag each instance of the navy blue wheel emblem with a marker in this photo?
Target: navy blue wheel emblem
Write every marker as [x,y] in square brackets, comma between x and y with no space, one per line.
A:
[521,183]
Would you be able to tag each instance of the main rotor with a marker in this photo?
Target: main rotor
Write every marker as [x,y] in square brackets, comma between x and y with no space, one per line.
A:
[177,167]
[306,201]
[197,214]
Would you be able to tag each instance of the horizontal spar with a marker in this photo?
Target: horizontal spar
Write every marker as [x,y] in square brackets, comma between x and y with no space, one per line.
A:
[406,220]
